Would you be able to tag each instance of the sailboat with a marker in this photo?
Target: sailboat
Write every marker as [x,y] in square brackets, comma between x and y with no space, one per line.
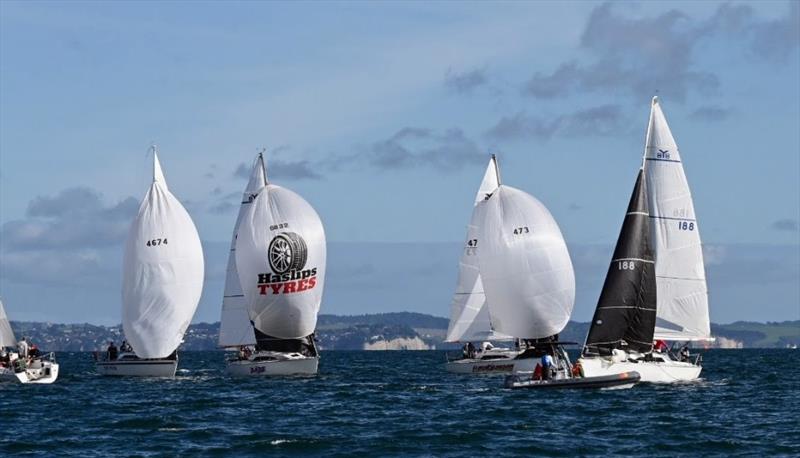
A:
[516,281]
[280,254]
[162,281]
[670,301]
[41,369]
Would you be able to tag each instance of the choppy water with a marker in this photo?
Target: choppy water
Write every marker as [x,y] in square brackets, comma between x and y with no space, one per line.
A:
[402,403]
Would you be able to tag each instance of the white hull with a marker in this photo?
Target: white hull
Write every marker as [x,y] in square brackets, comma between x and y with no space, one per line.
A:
[139,368]
[503,365]
[277,364]
[666,371]
[40,372]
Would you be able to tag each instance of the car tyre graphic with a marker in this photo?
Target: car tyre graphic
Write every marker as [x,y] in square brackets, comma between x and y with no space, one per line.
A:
[287,252]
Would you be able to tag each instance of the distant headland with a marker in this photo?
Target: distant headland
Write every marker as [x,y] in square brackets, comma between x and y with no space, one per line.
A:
[382,331]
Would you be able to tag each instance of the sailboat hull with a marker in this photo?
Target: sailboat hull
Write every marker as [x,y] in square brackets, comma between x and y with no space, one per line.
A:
[277,365]
[666,371]
[40,372]
[139,368]
[504,363]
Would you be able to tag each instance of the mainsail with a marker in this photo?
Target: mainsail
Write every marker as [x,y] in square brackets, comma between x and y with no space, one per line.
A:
[6,334]
[235,328]
[280,256]
[469,312]
[525,266]
[626,311]
[680,272]
[162,272]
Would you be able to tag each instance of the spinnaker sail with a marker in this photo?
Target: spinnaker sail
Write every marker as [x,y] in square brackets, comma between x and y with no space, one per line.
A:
[163,272]
[280,257]
[525,266]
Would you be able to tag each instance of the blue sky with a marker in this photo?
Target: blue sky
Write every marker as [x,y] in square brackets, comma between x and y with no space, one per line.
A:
[382,116]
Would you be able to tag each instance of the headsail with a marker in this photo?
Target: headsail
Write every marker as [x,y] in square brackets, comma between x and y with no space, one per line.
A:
[680,272]
[162,272]
[469,312]
[525,266]
[235,328]
[626,310]
[6,334]
[280,256]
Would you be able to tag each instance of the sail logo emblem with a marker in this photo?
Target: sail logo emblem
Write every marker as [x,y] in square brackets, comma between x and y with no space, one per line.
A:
[662,154]
[287,255]
[287,251]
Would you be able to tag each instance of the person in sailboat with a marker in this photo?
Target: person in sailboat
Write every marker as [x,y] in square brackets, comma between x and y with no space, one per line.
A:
[660,346]
[470,350]
[685,353]
[22,348]
[547,366]
[112,351]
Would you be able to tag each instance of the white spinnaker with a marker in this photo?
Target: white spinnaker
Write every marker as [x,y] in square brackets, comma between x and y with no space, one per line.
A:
[469,312]
[235,328]
[680,272]
[162,272]
[525,266]
[6,334]
[280,215]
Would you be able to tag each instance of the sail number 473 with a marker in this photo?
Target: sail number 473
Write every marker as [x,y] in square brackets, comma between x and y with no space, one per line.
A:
[521,230]
[157,242]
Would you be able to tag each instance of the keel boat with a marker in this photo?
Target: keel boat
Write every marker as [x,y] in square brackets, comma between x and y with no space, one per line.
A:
[655,288]
[162,280]
[516,281]
[39,369]
[280,253]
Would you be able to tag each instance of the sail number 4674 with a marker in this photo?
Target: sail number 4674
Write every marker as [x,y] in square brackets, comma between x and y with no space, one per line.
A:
[157,242]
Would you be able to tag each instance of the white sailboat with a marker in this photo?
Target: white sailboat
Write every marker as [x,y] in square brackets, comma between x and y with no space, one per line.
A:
[681,291]
[162,281]
[280,254]
[14,367]
[515,280]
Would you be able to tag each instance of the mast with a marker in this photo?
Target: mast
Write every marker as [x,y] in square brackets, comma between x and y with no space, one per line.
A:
[626,311]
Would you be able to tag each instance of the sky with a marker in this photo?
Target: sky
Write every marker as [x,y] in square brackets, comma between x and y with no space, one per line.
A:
[383,115]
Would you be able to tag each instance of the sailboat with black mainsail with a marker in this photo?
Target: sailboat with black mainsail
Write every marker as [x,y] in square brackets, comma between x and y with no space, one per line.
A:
[660,292]
[280,254]
[40,369]
[516,280]
[162,279]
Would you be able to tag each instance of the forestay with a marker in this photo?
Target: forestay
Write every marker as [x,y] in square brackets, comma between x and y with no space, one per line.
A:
[235,328]
[680,272]
[162,272]
[469,311]
[525,266]
[6,333]
[280,256]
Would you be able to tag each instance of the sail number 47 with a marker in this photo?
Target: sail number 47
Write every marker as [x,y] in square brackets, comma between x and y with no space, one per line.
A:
[156,242]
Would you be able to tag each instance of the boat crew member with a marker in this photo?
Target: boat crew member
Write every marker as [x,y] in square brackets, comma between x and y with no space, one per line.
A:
[685,353]
[22,348]
[547,364]
[470,350]
[112,351]
[660,346]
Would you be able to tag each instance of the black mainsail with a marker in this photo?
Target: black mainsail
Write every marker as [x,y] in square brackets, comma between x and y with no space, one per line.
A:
[626,311]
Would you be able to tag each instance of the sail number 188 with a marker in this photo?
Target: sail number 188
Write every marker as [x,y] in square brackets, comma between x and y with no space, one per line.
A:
[685,225]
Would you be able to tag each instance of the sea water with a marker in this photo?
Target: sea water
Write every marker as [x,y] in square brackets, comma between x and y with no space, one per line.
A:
[402,404]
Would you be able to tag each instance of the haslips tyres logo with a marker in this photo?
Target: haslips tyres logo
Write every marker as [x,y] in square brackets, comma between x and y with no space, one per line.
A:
[287,255]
